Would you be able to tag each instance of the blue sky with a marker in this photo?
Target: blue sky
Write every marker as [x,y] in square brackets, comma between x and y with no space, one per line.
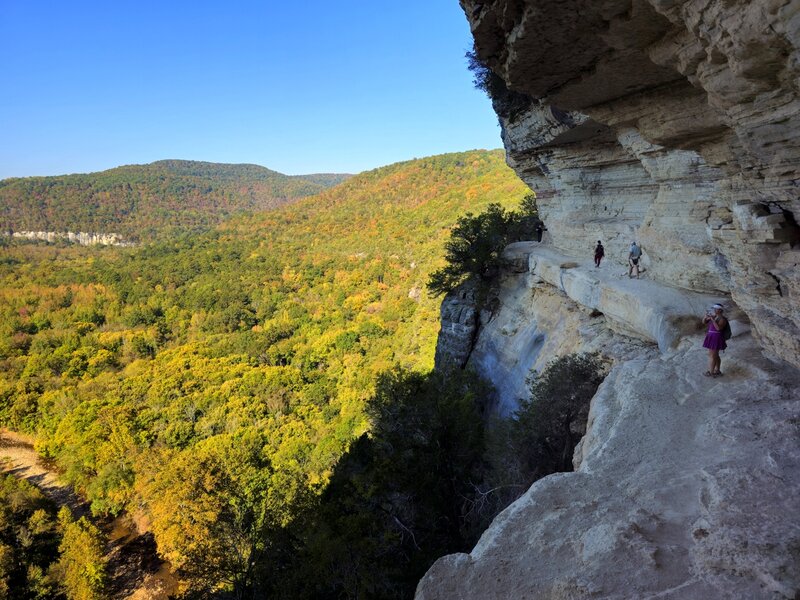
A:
[299,87]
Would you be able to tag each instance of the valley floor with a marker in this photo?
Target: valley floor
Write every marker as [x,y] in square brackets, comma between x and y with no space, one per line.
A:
[136,572]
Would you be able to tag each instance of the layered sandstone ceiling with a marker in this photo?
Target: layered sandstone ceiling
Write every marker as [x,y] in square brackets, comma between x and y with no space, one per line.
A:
[671,122]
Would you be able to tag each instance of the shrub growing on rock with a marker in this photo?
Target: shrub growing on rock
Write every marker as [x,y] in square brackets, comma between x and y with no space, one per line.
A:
[506,103]
[475,248]
[541,439]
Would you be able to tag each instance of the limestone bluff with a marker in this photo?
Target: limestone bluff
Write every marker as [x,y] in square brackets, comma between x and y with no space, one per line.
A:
[82,238]
[674,123]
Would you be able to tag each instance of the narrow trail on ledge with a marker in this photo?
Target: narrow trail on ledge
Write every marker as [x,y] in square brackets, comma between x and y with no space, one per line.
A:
[670,492]
[686,486]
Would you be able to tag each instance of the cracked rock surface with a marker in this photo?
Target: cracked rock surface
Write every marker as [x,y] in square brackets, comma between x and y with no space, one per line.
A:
[675,123]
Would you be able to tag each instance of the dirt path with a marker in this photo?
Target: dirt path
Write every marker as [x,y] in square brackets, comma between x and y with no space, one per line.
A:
[20,459]
[136,572]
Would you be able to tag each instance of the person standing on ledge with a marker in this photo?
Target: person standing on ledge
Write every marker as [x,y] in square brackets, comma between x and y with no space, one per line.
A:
[634,254]
[599,253]
[715,339]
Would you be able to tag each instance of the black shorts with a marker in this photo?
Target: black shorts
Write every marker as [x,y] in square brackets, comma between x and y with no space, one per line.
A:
[634,261]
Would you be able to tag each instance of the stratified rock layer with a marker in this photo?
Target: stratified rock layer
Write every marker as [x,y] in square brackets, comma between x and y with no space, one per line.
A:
[686,486]
[673,123]
[81,237]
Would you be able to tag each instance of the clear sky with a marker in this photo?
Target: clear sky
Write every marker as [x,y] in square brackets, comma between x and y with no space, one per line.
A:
[296,86]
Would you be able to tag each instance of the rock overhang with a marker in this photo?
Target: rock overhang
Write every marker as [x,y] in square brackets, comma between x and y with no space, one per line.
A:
[662,121]
[686,486]
[646,309]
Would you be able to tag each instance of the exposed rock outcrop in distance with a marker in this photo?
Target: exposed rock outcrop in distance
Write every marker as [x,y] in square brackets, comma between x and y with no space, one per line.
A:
[81,237]
[674,123]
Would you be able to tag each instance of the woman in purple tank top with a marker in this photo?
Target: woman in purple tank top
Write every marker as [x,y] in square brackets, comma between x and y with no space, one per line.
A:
[715,340]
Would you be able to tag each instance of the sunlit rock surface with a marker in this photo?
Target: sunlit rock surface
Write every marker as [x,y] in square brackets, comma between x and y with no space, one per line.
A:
[80,237]
[685,486]
[675,124]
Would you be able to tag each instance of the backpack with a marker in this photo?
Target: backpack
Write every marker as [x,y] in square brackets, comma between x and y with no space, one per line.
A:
[726,331]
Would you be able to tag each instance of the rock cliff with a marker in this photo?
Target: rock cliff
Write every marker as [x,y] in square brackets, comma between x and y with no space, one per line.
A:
[81,237]
[675,124]
[685,486]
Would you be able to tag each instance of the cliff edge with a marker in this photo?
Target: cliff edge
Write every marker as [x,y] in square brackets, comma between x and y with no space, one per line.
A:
[674,124]
[685,486]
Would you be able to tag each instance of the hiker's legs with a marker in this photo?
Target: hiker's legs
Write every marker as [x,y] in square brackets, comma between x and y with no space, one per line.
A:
[712,360]
[717,362]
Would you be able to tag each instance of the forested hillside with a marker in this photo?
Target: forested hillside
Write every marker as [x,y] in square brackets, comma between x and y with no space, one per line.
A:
[140,202]
[213,381]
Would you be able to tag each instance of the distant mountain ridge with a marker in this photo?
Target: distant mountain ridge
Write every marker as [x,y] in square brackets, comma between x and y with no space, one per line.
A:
[140,202]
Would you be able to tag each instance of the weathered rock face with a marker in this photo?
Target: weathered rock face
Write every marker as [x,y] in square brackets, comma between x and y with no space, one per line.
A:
[81,237]
[459,327]
[686,487]
[538,311]
[549,305]
[674,123]
[677,124]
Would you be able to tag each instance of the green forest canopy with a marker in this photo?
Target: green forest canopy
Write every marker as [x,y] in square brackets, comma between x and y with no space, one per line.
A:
[267,333]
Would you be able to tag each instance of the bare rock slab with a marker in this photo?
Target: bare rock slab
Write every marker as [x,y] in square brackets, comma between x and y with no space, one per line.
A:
[687,487]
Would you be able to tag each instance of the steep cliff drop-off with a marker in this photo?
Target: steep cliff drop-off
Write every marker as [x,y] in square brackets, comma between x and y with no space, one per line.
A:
[676,124]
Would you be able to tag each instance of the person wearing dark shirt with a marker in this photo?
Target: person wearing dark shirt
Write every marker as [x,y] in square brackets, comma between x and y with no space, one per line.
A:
[599,253]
